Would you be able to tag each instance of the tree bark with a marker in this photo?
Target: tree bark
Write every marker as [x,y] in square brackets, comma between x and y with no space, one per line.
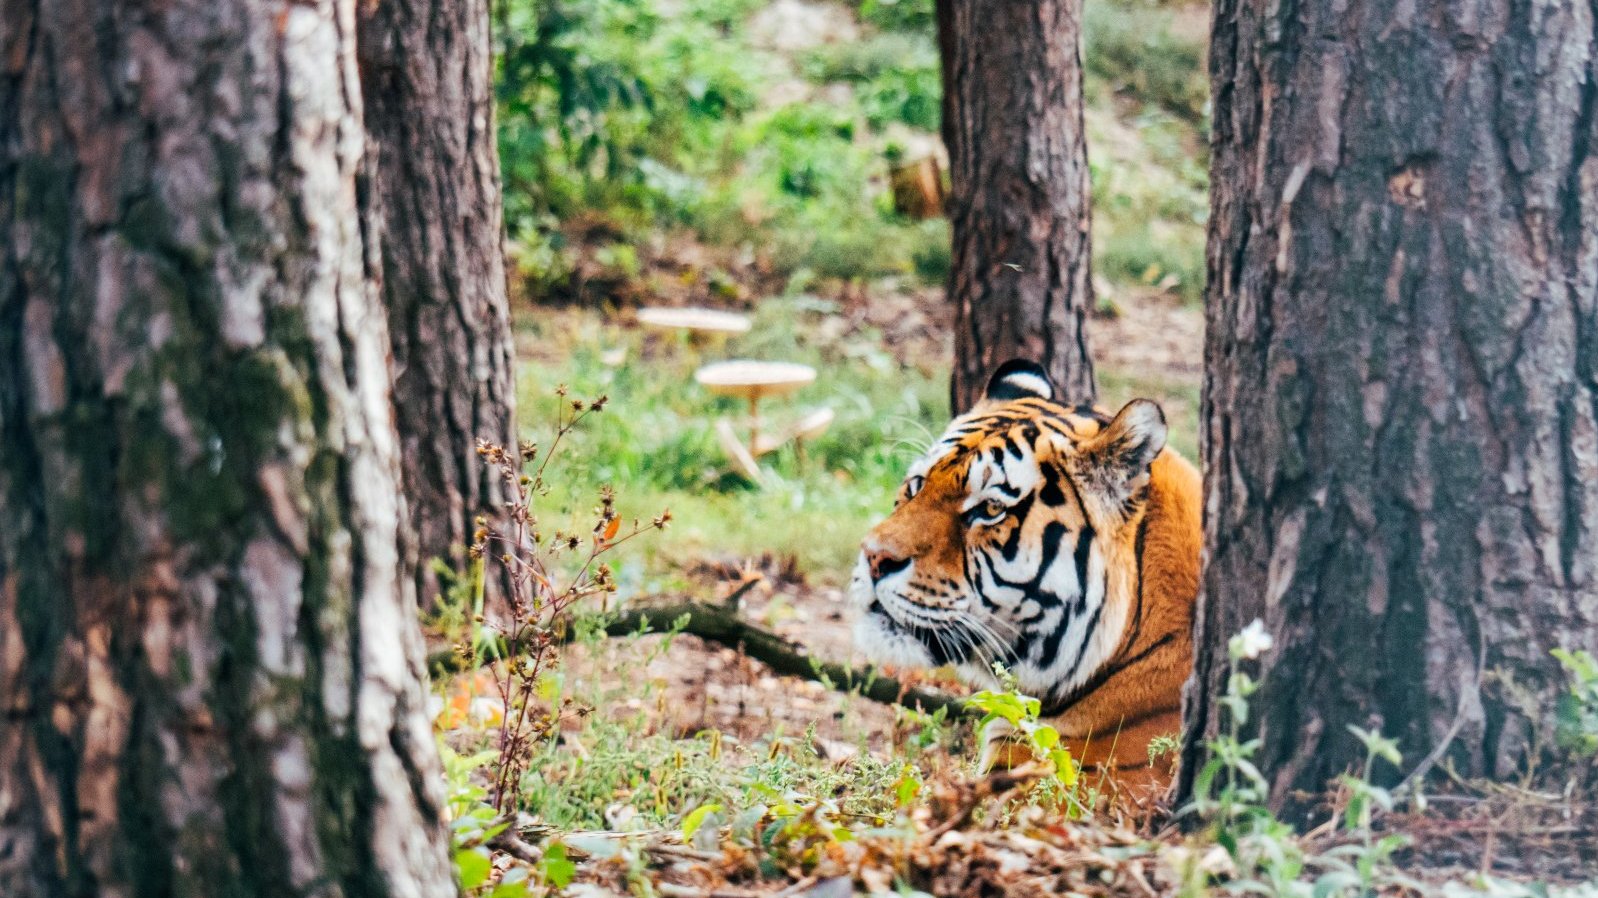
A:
[1018,202]
[1401,376]
[210,671]
[425,75]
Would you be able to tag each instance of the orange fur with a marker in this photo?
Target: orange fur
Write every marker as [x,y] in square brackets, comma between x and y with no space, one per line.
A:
[1143,643]
[1143,700]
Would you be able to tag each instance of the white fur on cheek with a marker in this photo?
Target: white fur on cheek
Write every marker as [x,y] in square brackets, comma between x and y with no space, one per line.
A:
[860,584]
[874,635]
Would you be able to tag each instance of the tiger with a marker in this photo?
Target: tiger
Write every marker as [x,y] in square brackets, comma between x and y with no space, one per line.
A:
[1059,542]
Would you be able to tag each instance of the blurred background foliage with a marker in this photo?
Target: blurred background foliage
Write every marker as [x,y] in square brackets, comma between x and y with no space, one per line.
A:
[770,127]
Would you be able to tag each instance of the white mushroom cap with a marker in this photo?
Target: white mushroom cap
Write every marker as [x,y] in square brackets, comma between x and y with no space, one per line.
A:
[695,319]
[813,424]
[752,379]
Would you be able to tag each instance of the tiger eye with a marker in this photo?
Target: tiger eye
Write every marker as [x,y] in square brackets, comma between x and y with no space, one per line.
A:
[992,508]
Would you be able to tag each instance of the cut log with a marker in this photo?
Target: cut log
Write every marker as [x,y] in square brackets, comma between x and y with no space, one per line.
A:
[918,190]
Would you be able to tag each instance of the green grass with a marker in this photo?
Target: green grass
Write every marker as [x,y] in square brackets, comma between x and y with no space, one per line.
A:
[663,777]
[654,442]
[1147,100]
[1138,49]
[625,757]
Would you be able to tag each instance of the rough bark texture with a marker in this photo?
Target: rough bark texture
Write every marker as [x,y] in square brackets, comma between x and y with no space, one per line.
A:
[1018,200]
[210,672]
[425,69]
[1402,375]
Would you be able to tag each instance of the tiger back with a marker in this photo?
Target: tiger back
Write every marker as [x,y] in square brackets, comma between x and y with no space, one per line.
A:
[1059,542]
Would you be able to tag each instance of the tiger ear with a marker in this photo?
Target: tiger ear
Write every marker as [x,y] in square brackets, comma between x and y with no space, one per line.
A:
[1120,454]
[1019,379]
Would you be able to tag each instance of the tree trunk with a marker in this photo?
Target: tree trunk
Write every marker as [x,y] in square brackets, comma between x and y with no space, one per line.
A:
[1018,200]
[210,673]
[425,69]
[1402,376]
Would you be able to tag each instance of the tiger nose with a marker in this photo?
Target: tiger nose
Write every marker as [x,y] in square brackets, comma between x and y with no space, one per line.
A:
[882,561]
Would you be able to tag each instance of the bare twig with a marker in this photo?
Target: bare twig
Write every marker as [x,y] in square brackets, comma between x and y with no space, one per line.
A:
[1417,776]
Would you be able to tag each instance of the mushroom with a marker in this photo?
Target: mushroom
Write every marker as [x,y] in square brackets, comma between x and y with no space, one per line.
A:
[712,322]
[753,380]
[734,447]
[812,425]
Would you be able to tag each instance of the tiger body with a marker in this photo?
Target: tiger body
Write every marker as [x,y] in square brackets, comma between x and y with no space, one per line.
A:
[1059,542]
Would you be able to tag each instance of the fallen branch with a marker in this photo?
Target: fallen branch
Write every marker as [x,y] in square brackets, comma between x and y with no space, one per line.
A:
[510,843]
[723,626]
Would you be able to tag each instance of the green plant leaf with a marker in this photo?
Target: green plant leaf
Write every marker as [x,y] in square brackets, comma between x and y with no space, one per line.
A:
[696,819]
[472,867]
[1065,769]
[1045,737]
[558,870]
[906,787]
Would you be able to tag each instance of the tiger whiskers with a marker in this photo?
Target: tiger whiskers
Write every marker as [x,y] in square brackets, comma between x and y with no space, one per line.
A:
[990,647]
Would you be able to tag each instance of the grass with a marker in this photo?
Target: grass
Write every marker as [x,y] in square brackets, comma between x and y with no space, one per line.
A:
[661,777]
[1147,117]
[637,802]
[656,446]
[779,806]
[1153,52]
[614,752]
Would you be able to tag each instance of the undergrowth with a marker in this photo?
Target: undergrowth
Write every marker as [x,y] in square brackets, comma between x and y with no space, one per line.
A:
[556,768]
[652,118]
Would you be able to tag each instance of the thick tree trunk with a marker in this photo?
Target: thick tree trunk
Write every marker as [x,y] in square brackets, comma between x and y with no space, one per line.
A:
[1402,375]
[1018,201]
[210,673]
[425,74]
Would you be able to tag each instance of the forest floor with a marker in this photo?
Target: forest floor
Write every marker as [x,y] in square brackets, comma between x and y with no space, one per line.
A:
[803,788]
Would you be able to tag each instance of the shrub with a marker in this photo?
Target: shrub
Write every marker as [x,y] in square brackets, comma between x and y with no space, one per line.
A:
[549,573]
[900,15]
[895,76]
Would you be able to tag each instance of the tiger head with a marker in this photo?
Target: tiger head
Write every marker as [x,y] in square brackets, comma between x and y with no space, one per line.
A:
[1018,539]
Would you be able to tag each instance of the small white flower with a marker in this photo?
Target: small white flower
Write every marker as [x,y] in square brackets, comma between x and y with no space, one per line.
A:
[1252,642]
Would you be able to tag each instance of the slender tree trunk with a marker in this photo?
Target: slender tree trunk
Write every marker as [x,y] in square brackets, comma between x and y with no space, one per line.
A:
[1018,201]
[1402,376]
[425,74]
[210,673]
